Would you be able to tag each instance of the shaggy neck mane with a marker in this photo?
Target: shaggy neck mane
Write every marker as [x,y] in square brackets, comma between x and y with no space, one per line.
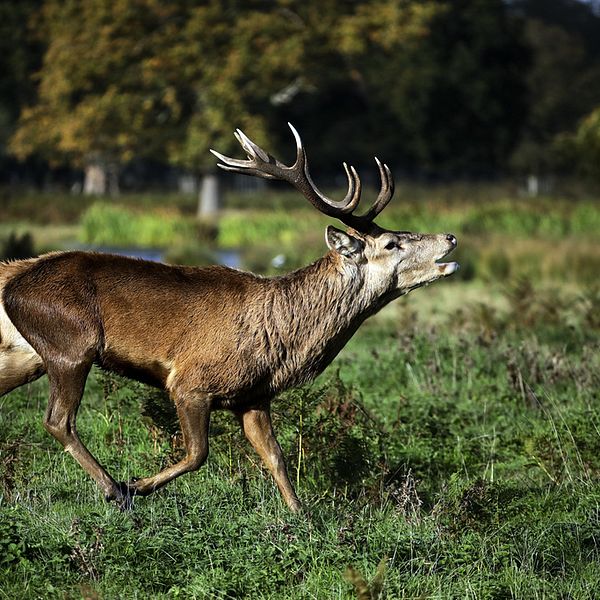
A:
[310,314]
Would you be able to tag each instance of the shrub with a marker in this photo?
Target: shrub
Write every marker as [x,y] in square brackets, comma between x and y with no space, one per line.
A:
[237,230]
[17,246]
[585,219]
[113,225]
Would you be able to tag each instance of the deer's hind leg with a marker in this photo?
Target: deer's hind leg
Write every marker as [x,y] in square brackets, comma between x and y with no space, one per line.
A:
[18,367]
[66,390]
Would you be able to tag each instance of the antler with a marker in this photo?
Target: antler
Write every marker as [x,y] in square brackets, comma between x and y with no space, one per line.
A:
[262,164]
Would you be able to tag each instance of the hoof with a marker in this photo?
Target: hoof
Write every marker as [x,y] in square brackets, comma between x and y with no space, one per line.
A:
[122,494]
[126,503]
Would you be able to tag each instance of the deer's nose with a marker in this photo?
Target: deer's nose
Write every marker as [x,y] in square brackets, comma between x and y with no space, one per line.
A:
[451,239]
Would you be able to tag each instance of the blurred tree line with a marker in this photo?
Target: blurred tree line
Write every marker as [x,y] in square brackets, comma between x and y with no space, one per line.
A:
[440,88]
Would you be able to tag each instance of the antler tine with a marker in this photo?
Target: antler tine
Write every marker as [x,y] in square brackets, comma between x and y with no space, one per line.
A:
[256,155]
[356,186]
[262,164]
[303,182]
[301,162]
[229,164]
[234,165]
[385,194]
[259,163]
[252,150]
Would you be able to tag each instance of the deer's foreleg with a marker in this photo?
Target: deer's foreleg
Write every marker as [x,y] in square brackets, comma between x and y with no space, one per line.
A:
[194,417]
[256,423]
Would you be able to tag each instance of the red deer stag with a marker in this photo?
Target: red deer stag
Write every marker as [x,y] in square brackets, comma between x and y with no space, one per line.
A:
[214,337]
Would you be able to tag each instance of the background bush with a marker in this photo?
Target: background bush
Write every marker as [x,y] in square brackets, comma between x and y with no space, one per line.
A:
[114,225]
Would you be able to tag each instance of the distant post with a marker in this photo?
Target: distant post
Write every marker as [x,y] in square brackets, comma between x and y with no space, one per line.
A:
[533,185]
[209,202]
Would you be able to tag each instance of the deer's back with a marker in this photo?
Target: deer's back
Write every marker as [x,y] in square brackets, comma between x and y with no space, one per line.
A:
[153,322]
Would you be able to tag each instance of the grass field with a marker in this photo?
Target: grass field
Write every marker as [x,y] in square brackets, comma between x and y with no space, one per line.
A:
[451,451]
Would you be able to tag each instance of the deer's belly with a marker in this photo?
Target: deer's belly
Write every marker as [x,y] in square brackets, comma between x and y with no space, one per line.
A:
[140,368]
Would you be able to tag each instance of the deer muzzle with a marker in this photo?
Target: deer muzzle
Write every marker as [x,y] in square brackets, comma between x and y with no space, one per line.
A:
[449,267]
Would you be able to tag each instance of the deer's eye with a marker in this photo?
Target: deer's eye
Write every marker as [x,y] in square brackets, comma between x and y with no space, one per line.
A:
[391,245]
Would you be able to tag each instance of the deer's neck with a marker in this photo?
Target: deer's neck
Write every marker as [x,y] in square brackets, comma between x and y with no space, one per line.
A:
[310,316]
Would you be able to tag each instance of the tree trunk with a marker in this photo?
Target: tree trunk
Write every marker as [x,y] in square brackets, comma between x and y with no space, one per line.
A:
[209,202]
[94,183]
[101,178]
[112,171]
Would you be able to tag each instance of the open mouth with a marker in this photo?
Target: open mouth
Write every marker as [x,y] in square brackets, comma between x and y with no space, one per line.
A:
[447,268]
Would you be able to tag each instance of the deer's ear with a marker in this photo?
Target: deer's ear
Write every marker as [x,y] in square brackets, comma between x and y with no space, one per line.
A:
[343,243]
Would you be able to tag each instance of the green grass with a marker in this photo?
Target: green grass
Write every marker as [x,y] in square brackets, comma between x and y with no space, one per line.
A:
[451,451]
[455,460]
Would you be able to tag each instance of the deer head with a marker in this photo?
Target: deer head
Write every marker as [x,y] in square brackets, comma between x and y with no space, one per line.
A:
[392,262]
